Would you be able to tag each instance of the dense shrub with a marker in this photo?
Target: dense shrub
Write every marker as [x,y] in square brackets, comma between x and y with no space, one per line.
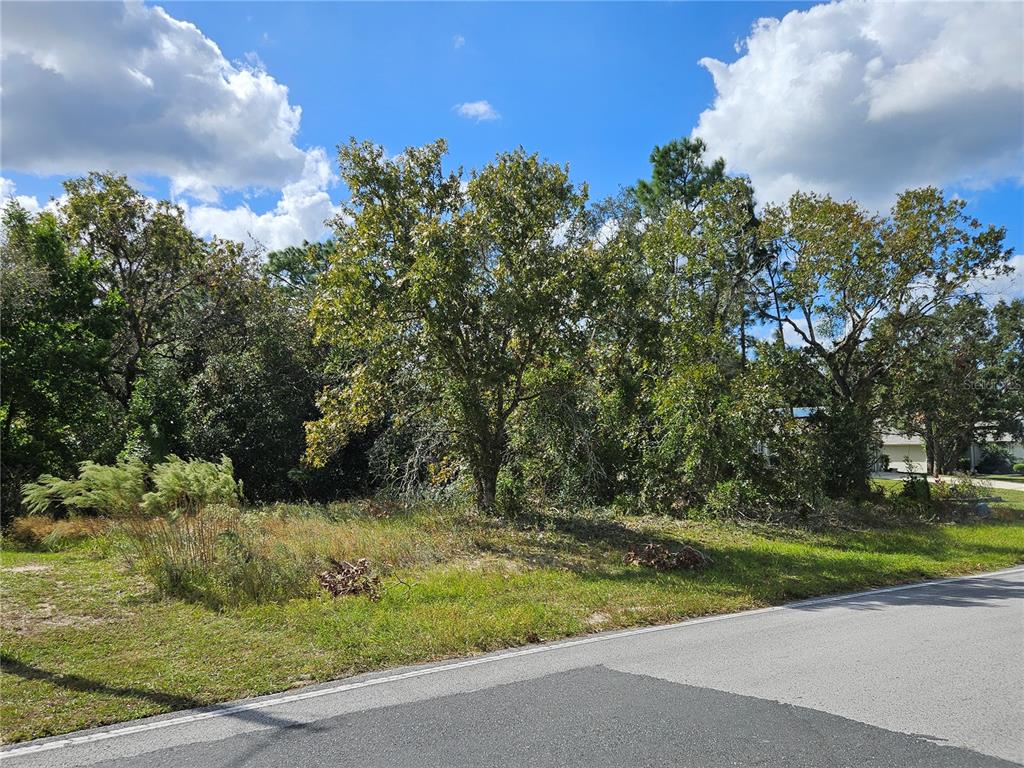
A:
[1019,468]
[995,460]
[109,490]
[119,490]
[738,498]
[916,489]
[184,487]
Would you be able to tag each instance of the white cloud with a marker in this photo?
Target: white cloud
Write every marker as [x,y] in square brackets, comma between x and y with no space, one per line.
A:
[865,99]
[458,41]
[1004,287]
[127,88]
[300,214]
[8,191]
[477,110]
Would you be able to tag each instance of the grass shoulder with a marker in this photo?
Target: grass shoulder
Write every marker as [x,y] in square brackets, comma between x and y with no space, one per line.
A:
[87,640]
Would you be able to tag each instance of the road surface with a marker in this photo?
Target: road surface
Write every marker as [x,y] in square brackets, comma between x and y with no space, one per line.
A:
[926,675]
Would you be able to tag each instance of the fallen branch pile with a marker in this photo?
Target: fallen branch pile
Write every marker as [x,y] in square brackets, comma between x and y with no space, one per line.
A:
[660,558]
[345,578]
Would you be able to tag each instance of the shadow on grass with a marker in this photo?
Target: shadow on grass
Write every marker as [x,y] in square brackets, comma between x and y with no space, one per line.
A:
[772,577]
[575,542]
[808,564]
[166,701]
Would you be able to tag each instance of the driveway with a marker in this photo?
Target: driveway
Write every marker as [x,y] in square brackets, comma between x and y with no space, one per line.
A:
[925,675]
[1007,485]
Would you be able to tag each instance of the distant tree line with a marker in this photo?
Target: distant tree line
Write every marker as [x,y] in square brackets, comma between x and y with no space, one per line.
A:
[497,335]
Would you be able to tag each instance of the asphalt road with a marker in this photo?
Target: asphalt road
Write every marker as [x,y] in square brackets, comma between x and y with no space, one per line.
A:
[928,675]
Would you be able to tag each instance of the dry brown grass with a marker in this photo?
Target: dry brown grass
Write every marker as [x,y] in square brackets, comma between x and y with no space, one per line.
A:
[392,543]
[44,533]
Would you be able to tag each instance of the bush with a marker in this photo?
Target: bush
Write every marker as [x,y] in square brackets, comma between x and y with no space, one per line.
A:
[916,489]
[184,487]
[995,460]
[738,498]
[109,490]
[1019,468]
[119,490]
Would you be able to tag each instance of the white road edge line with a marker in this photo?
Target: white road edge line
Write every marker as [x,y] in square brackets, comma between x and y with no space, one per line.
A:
[288,698]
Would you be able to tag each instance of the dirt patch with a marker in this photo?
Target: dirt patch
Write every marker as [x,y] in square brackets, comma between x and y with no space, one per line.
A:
[597,619]
[33,568]
[44,616]
[32,624]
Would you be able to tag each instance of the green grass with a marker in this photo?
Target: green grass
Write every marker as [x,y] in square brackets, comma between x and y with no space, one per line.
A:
[85,641]
[1011,500]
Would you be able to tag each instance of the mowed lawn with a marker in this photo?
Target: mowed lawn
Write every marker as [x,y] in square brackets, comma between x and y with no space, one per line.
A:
[86,641]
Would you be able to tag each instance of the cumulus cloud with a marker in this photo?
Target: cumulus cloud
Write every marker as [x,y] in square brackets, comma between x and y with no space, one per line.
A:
[128,88]
[477,110]
[865,99]
[8,193]
[299,215]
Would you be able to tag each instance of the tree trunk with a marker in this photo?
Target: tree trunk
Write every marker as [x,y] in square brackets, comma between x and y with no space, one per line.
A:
[932,460]
[743,339]
[490,459]
[486,481]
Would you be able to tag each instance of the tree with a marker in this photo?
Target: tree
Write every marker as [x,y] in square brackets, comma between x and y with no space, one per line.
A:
[947,390]
[450,305]
[1009,388]
[657,279]
[55,339]
[168,290]
[857,291]
[295,269]
[679,176]
[148,265]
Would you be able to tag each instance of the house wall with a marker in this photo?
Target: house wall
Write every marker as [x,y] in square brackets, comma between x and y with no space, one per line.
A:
[898,455]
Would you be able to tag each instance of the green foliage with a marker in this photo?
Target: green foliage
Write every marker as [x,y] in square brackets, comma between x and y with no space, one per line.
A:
[296,269]
[183,487]
[119,490]
[679,175]
[950,388]
[447,305]
[858,290]
[56,333]
[994,459]
[108,490]
[488,333]
[1019,468]
[916,489]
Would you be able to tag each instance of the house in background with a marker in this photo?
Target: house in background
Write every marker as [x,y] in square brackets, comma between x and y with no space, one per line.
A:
[907,453]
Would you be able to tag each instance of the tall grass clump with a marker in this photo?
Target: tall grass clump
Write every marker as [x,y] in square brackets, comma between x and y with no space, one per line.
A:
[217,556]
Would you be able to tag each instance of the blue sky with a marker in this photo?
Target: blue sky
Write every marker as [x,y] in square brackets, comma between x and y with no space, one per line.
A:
[594,85]
[850,99]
